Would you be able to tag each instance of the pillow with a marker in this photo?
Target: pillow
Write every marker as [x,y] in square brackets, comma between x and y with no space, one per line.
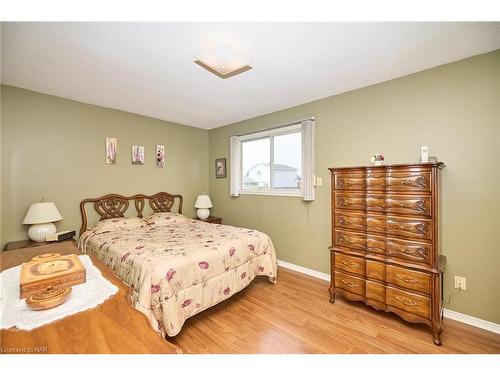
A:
[161,219]
[120,223]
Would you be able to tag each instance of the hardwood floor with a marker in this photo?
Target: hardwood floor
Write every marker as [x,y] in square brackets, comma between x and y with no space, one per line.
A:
[295,316]
[292,316]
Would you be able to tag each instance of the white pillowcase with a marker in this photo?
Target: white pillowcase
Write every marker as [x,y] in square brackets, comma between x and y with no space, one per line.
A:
[161,219]
[120,223]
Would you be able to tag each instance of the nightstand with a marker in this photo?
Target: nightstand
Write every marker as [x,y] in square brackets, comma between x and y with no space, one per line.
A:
[211,219]
[24,244]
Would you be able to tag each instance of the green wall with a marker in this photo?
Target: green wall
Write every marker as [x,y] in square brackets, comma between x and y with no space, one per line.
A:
[55,148]
[455,110]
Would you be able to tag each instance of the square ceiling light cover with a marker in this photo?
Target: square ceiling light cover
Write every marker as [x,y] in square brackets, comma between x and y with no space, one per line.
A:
[223,61]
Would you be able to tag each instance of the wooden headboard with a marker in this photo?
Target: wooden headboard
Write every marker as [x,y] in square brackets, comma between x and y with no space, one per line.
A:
[114,205]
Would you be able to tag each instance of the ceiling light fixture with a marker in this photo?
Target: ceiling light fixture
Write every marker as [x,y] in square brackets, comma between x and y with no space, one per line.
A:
[222,61]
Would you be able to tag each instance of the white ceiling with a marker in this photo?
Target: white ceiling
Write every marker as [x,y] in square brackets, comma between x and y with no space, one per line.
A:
[147,68]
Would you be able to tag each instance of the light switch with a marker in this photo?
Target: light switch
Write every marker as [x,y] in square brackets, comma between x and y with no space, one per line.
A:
[319,181]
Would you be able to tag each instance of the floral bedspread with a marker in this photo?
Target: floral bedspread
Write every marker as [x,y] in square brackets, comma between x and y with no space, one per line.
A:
[180,269]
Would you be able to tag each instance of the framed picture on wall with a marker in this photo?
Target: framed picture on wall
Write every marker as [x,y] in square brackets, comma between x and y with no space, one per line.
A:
[220,168]
[137,155]
[160,156]
[111,150]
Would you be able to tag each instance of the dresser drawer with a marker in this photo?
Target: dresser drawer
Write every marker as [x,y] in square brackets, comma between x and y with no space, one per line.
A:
[375,202]
[350,264]
[408,204]
[409,181]
[408,302]
[375,270]
[350,201]
[409,227]
[375,291]
[349,181]
[375,244]
[415,251]
[350,283]
[350,240]
[350,220]
[376,223]
[375,180]
[414,280]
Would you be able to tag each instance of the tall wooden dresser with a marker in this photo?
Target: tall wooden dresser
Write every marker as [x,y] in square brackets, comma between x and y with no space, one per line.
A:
[385,240]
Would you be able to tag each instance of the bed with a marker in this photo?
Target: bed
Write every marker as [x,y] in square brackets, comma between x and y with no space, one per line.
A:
[175,266]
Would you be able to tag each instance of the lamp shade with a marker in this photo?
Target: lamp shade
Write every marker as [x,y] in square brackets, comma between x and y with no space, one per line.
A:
[42,212]
[203,201]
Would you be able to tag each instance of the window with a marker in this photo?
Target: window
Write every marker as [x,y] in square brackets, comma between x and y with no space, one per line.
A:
[278,161]
[255,157]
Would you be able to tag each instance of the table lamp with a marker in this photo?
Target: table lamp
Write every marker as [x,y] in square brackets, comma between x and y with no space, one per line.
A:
[203,203]
[41,215]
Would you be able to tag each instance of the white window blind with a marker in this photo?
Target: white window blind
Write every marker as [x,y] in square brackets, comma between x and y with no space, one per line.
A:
[308,161]
[234,166]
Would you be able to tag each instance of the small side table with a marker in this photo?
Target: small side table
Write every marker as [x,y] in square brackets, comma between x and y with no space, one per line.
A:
[211,220]
[23,244]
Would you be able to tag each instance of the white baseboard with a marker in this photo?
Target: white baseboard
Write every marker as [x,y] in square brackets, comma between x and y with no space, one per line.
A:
[304,270]
[473,321]
[450,314]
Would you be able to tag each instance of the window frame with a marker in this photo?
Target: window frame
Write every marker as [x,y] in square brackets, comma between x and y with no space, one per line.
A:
[284,130]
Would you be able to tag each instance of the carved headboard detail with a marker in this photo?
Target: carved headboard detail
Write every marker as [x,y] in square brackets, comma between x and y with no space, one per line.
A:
[114,205]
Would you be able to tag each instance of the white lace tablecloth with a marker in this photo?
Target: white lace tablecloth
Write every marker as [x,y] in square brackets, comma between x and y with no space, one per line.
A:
[15,313]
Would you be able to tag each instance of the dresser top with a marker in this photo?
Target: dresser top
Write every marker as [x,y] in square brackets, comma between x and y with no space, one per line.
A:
[438,164]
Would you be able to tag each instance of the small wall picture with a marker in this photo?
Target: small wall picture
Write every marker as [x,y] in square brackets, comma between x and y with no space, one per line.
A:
[111,150]
[137,155]
[160,156]
[220,168]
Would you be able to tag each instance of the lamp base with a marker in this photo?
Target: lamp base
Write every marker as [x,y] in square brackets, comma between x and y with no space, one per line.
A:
[203,213]
[38,232]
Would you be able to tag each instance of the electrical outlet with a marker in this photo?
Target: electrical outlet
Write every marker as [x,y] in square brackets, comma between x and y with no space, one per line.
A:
[460,283]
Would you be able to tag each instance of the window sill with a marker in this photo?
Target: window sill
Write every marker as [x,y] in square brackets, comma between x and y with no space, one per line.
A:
[278,193]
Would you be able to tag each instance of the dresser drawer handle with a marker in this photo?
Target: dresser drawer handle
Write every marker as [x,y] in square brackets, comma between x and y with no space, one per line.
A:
[418,205]
[349,264]
[419,228]
[419,251]
[345,202]
[405,301]
[341,182]
[341,238]
[347,181]
[343,220]
[341,201]
[350,284]
[407,279]
[419,181]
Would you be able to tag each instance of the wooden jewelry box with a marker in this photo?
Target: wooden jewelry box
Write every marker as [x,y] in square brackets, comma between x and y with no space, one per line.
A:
[50,270]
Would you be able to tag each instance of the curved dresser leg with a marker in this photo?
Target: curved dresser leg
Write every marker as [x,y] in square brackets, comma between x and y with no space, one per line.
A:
[332,293]
[437,329]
